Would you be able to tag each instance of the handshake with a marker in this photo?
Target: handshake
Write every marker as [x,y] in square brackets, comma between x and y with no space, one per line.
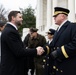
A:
[40,50]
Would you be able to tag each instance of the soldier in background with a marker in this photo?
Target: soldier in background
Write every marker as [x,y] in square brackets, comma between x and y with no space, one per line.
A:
[2,25]
[50,35]
[33,40]
[46,60]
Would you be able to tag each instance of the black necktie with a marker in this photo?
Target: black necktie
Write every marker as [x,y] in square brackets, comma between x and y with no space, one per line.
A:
[57,29]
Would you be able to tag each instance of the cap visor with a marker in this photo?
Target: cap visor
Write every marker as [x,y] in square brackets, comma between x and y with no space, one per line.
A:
[55,15]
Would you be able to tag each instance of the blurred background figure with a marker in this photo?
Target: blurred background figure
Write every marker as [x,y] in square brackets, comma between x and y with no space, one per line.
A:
[47,63]
[2,25]
[50,35]
[33,40]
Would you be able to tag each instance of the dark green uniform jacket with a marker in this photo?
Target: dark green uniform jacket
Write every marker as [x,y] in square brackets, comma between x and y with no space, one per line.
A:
[33,43]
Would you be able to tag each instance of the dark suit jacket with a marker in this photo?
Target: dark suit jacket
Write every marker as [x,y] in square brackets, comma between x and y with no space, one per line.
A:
[64,43]
[13,52]
[0,53]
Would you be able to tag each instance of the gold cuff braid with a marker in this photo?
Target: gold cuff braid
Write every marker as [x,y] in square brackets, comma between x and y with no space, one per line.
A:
[64,52]
[48,49]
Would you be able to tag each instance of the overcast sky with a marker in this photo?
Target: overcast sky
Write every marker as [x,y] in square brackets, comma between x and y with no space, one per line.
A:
[15,4]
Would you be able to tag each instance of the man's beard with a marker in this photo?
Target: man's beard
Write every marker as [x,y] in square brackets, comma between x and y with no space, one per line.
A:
[18,23]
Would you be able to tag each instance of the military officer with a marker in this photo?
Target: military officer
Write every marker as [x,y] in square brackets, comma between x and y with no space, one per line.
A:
[46,61]
[63,47]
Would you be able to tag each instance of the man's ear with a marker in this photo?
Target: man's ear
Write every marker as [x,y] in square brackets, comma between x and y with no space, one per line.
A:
[13,18]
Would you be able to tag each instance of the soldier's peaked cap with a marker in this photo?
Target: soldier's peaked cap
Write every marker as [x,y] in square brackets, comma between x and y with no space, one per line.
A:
[60,10]
[33,29]
[51,31]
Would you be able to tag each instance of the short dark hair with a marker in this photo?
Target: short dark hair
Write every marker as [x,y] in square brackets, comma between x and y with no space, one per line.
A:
[12,13]
[33,29]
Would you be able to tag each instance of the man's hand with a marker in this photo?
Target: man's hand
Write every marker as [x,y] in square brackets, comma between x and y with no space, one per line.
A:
[40,50]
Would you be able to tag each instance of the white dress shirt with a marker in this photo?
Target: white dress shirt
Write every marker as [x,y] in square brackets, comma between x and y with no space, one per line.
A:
[12,25]
[61,25]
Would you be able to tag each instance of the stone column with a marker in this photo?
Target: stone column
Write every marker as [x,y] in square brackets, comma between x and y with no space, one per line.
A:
[49,14]
[71,7]
[39,16]
[54,4]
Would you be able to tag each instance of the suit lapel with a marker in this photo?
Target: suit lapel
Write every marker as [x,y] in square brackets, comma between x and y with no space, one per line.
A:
[57,34]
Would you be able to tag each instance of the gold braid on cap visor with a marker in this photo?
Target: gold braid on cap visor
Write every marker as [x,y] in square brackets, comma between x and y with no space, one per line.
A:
[60,12]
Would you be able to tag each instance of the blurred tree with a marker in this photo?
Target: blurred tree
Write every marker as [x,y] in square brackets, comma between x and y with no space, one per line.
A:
[3,12]
[29,19]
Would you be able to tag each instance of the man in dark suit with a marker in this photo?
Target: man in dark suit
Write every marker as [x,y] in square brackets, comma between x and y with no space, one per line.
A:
[12,49]
[63,47]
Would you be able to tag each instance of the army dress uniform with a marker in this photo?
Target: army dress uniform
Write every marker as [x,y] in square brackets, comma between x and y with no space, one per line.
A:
[63,48]
[35,62]
[38,61]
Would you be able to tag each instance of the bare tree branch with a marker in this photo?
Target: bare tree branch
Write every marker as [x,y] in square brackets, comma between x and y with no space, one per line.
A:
[3,12]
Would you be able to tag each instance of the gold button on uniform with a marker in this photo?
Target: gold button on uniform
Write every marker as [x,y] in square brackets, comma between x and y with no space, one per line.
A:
[57,69]
[54,67]
[61,71]
[44,60]
[57,47]
[47,64]
[48,58]
[54,48]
